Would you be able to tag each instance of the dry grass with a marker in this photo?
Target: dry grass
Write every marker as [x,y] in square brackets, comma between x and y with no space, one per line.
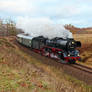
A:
[84,38]
[86,49]
[20,72]
[17,75]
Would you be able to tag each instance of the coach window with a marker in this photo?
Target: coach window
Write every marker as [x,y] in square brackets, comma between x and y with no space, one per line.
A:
[29,41]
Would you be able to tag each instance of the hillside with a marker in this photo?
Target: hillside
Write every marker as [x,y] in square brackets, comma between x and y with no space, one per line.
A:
[20,72]
[86,48]
[76,30]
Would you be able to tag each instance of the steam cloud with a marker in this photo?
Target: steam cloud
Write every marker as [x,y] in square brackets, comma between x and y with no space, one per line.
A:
[43,27]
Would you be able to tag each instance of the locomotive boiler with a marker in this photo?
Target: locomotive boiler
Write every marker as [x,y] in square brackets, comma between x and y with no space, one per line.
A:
[65,50]
[65,44]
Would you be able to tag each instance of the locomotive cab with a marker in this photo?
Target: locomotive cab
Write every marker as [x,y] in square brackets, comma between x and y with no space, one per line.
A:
[38,42]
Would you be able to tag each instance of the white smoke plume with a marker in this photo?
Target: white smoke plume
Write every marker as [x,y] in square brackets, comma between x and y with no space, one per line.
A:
[43,27]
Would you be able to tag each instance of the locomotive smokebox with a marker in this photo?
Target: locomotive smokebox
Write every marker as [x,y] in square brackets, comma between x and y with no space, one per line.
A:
[78,43]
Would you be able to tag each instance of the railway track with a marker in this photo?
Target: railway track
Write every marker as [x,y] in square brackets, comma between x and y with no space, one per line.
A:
[78,71]
[82,68]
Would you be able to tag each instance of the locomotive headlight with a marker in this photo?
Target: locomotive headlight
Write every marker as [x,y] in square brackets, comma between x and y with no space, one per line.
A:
[68,55]
[78,54]
[72,42]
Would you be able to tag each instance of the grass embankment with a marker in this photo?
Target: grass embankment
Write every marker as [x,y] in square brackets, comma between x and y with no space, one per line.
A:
[86,49]
[20,72]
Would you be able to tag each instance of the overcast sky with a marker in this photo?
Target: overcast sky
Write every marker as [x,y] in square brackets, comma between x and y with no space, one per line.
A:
[76,12]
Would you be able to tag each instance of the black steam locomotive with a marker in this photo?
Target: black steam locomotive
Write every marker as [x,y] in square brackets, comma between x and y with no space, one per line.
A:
[58,48]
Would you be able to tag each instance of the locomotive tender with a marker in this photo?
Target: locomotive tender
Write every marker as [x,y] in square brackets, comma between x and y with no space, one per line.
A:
[58,48]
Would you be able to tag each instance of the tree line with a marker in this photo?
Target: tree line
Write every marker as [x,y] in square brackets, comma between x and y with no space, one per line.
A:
[8,28]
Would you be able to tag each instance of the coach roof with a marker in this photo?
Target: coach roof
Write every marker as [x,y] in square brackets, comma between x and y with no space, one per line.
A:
[24,36]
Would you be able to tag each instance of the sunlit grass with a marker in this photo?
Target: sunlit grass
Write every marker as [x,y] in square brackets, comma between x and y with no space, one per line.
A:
[86,49]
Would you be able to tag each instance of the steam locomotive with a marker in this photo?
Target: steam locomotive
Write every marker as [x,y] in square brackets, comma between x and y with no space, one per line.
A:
[58,48]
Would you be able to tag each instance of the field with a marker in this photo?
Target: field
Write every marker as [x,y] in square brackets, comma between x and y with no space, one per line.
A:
[20,72]
[86,49]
